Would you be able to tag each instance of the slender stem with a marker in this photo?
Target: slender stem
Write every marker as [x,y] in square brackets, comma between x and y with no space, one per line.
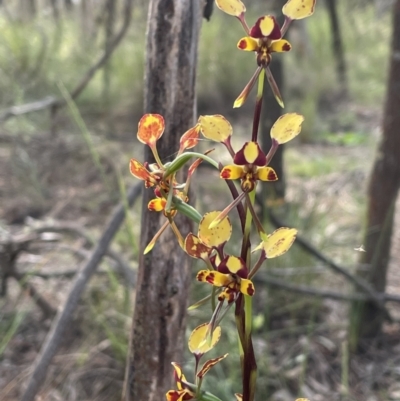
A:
[258,107]
[272,151]
[242,20]
[257,221]
[285,26]
[228,145]
[248,316]
[257,266]
[246,235]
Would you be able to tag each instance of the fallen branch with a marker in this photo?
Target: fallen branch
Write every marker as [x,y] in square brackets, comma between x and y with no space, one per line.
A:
[322,293]
[47,309]
[357,281]
[55,103]
[64,316]
[74,229]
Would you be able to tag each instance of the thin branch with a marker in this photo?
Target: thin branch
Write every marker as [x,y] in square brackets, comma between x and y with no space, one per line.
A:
[47,309]
[64,316]
[304,289]
[56,103]
[122,267]
[357,281]
[73,228]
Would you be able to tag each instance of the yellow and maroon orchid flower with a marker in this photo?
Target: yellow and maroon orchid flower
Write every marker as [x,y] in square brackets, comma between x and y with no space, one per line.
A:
[231,275]
[264,38]
[249,166]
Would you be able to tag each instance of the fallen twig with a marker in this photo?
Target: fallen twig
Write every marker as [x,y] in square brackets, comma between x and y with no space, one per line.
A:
[64,316]
[323,293]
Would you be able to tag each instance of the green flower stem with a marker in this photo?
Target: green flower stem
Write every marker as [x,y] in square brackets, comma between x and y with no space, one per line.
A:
[257,221]
[156,156]
[187,210]
[248,315]
[247,228]
[179,162]
[258,107]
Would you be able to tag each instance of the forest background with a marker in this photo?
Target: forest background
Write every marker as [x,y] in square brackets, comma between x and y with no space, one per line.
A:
[71,94]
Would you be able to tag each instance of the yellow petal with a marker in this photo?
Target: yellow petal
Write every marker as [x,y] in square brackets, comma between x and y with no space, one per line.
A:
[217,235]
[251,152]
[298,9]
[216,127]
[279,242]
[248,44]
[247,287]
[231,7]
[266,174]
[280,46]
[234,264]
[215,278]
[239,397]
[151,127]
[231,172]
[287,127]
[266,25]
[200,341]
[157,204]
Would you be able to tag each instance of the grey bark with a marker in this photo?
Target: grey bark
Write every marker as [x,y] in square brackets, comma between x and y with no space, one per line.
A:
[157,335]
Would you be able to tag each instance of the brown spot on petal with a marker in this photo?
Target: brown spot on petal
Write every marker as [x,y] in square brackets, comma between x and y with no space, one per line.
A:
[242,44]
[250,289]
[210,278]
[286,47]
[225,173]
[272,176]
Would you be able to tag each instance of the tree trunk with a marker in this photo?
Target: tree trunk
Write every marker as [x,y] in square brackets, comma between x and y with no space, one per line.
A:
[157,335]
[55,8]
[337,47]
[366,318]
